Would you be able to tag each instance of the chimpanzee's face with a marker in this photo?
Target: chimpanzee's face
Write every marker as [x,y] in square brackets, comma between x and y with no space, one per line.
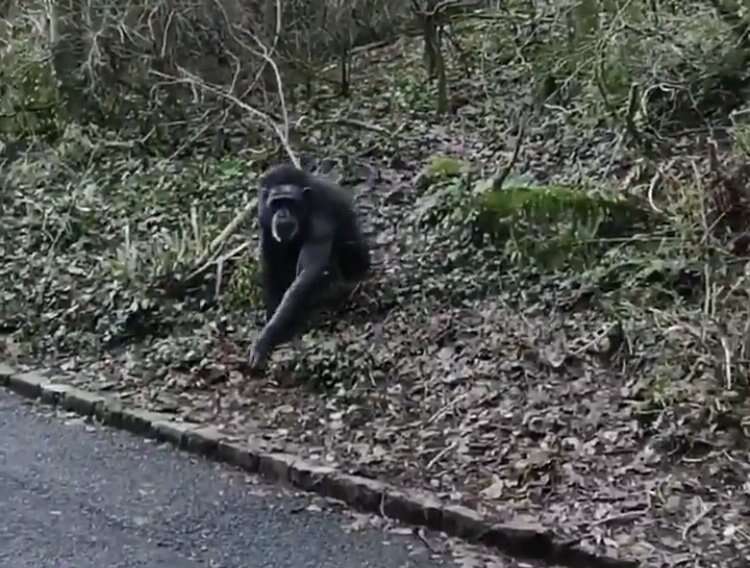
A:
[286,205]
[285,221]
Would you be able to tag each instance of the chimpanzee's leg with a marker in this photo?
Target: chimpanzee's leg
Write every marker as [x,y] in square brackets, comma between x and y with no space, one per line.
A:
[353,257]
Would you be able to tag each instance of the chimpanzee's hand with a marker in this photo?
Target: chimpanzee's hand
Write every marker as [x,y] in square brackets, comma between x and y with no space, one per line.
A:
[257,358]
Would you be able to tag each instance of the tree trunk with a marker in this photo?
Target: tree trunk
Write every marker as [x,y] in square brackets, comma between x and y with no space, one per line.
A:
[68,50]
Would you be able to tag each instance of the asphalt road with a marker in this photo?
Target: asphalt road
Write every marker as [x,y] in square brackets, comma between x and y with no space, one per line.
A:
[78,495]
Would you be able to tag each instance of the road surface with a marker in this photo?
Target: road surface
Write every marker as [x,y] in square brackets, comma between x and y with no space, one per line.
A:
[78,495]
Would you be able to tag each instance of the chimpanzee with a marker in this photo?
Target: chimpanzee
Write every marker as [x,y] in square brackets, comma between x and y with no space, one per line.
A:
[310,240]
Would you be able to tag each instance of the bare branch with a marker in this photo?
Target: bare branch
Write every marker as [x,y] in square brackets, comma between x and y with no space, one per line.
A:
[497,181]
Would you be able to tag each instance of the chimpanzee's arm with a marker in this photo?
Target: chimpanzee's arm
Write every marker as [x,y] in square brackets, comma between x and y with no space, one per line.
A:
[312,266]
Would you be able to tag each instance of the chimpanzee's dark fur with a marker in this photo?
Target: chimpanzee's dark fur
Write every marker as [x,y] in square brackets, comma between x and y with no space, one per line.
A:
[321,243]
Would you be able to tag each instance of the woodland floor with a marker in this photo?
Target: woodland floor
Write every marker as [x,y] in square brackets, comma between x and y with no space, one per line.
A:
[539,403]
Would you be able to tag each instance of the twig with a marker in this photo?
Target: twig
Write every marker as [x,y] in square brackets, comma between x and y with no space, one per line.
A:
[265,53]
[619,517]
[497,181]
[697,519]
[651,188]
[728,382]
[191,79]
[440,455]
[597,337]
[210,257]
[356,124]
